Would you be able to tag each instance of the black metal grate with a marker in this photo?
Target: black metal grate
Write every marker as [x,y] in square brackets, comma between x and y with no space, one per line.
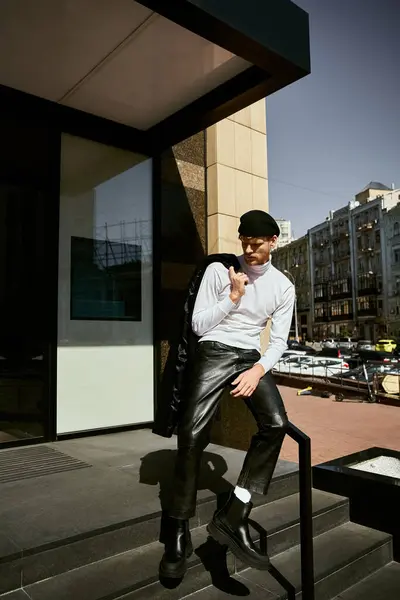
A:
[35,461]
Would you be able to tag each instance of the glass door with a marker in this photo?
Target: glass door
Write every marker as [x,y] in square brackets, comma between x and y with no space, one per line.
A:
[27,316]
[23,364]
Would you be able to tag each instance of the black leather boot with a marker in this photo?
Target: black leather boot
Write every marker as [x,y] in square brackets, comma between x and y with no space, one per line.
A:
[229,527]
[178,547]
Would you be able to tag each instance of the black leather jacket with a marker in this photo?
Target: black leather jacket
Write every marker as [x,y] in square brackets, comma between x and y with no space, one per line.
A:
[168,412]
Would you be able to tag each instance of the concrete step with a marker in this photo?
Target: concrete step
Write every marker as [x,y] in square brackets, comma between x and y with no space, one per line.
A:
[381,585]
[75,519]
[137,570]
[16,595]
[343,557]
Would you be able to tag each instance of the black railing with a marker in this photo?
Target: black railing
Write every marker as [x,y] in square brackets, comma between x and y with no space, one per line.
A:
[306,513]
[306,523]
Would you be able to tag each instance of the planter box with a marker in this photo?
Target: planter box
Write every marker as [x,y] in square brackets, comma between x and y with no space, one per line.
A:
[371,481]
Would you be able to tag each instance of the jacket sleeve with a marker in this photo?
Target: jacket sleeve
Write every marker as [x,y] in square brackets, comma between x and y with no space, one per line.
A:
[208,310]
[280,327]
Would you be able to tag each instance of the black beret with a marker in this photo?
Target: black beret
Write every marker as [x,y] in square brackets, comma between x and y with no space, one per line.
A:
[257,223]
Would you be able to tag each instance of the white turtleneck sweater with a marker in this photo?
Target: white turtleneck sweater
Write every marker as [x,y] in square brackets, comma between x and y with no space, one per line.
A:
[269,293]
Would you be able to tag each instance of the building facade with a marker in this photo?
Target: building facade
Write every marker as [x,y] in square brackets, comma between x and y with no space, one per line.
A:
[286,235]
[392,228]
[331,281]
[352,267]
[293,260]
[104,183]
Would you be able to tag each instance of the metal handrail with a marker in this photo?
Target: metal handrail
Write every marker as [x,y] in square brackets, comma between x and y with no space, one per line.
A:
[306,514]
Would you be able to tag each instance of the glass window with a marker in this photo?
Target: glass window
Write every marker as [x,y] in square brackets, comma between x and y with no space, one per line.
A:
[106,280]
[105,307]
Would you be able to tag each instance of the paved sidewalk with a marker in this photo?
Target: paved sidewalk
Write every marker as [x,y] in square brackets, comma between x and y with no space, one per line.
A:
[339,428]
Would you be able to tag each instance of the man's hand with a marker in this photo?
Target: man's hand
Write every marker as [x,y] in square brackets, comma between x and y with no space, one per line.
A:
[238,284]
[247,382]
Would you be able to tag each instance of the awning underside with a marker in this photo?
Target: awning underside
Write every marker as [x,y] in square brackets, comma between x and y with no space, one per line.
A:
[168,74]
[117,60]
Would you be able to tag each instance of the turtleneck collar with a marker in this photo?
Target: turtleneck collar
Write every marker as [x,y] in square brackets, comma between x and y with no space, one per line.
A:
[255,270]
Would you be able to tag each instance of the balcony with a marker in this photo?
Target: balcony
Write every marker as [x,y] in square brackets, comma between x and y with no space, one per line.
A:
[317,245]
[367,285]
[367,226]
[342,317]
[303,307]
[341,295]
[395,239]
[322,262]
[322,299]
[321,280]
[371,290]
[322,318]
[339,258]
[341,288]
[341,251]
[371,311]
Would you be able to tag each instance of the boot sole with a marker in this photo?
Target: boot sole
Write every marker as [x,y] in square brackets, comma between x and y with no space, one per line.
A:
[225,540]
[169,571]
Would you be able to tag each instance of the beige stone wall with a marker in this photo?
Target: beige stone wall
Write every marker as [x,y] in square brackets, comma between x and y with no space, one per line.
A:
[237,181]
[362,197]
[237,177]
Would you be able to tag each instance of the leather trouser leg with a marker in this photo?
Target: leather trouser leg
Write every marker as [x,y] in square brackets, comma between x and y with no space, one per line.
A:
[267,407]
[216,366]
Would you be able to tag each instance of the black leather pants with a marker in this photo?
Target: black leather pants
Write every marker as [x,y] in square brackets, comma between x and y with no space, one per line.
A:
[215,367]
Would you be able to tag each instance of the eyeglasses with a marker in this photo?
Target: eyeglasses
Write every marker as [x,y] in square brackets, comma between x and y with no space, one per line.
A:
[253,241]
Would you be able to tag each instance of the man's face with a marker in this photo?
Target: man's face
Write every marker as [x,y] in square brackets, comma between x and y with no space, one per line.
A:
[257,250]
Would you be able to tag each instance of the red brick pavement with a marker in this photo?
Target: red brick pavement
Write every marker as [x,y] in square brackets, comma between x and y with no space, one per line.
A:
[339,428]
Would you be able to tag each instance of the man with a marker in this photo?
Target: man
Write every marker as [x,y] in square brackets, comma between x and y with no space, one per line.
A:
[230,312]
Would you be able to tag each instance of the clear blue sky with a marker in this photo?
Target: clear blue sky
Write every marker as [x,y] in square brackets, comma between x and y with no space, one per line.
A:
[339,128]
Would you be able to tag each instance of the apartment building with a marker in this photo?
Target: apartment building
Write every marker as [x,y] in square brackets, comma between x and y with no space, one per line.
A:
[330,263]
[353,267]
[392,229]
[293,260]
[286,236]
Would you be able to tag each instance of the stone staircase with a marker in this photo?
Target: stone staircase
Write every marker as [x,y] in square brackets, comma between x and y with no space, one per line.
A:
[121,561]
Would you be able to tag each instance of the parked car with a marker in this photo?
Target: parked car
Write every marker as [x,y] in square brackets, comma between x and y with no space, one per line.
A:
[300,347]
[358,374]
[312,366]
[364,345]
[292,343]
[302,352]
[368,356]
[386,345]
[345,343]
[329,343]
[289,353]
[331,352]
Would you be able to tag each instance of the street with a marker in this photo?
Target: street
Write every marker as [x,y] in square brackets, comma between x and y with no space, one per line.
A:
[339,428]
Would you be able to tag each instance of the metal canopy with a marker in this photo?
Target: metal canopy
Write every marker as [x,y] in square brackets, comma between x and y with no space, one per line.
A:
[161,70]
